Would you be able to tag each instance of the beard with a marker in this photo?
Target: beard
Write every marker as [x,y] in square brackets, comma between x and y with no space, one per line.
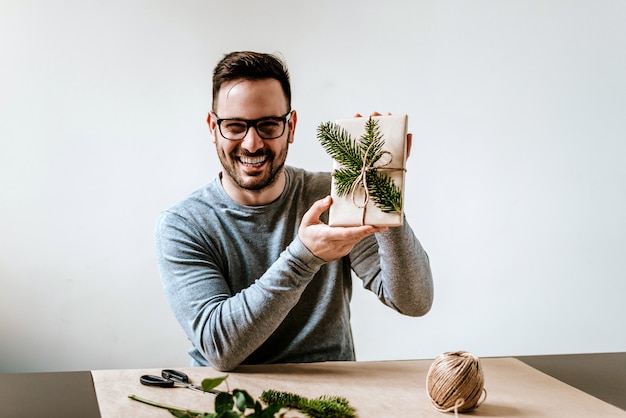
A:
[253,179]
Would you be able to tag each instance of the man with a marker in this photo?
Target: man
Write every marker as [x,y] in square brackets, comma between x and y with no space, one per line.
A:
[248,264]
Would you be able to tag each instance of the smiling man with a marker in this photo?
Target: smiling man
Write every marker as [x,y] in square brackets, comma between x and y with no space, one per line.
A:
[252,153]
[249,266]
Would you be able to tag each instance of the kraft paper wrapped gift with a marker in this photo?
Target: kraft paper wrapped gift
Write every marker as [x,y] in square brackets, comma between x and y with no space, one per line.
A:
[348,210]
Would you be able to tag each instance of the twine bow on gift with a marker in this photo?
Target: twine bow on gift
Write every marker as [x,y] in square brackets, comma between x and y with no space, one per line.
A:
[361,180]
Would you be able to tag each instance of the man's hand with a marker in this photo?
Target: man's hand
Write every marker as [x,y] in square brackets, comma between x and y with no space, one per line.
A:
[330,243]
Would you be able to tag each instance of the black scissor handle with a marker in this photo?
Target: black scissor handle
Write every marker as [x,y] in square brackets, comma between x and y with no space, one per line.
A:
[151,380]
[175,375]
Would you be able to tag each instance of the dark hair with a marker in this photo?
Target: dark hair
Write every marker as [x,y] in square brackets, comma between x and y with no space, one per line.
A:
[248,65]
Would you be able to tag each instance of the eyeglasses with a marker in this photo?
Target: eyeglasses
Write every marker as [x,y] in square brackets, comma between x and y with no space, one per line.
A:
[269,127]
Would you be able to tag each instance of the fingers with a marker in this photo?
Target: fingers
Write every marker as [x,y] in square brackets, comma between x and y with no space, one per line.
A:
[358,115]
[312,216]
[330,243]
[352,234]
[409,143]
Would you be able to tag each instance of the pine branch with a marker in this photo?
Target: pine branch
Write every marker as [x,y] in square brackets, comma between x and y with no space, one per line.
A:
[322,407]
[371,143]
[339,145]
[384,192]
[344,178]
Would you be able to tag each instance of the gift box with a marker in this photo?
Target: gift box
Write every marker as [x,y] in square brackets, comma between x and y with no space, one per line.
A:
[368,185]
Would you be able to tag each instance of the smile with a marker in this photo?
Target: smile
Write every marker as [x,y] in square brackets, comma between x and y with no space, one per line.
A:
[253,161]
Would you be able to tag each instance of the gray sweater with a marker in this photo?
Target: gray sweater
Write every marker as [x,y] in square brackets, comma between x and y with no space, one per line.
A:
[247,291]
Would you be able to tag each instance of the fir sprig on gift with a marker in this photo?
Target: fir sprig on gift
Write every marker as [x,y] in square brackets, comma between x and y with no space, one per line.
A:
[359,165]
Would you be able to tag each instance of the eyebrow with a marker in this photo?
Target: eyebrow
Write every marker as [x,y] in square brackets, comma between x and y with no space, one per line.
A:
[251,120]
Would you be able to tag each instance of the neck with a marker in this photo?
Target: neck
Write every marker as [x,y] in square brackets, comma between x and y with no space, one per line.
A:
[260,197]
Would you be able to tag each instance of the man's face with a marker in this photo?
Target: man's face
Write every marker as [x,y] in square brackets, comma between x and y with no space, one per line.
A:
[252,163]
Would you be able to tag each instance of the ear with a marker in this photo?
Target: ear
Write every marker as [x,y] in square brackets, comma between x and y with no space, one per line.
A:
[292,125]
[210,120]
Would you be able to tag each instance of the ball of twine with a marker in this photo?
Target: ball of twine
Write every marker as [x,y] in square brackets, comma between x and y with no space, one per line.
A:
[455,382]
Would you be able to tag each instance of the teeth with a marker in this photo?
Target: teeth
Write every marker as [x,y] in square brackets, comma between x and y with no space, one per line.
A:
[253,161]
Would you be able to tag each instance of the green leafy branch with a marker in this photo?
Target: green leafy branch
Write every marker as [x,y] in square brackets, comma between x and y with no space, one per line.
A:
[322,407]
[357,159]
[239,404]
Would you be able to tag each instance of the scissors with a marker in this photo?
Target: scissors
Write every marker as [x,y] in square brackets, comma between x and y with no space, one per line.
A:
[172,378]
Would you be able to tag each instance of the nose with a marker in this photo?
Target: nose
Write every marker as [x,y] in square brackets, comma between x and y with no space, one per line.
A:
[252,142]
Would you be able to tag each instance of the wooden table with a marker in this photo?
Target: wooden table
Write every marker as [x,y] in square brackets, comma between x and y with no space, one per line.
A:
[588,385]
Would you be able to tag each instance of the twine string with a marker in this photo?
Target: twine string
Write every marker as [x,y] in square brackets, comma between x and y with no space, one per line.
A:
[361,179]
[455,382]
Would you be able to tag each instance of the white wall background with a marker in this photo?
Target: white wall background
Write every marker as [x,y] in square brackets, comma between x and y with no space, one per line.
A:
[516,185]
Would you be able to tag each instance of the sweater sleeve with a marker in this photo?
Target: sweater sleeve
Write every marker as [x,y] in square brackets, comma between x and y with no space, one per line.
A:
[396,268]
[226,328]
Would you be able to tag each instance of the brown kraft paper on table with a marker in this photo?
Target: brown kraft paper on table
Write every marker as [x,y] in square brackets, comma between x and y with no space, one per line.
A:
[375,389]
[344,211]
